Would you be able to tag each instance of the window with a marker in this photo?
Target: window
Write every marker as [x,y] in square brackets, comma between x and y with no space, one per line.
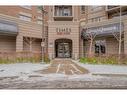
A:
[118,14]
[96,19]
[63,11]
[25,18]
[26,6]
[96,8]
[66,12]
[39,21]
[39,9]
[96,48]
[100,47]
[82,9]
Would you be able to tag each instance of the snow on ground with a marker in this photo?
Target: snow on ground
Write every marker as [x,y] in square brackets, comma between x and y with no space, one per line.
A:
[63,77]
[20,69]
[25,70]
[104,69]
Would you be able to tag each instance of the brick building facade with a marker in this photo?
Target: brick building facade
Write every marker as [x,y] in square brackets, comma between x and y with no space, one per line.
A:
[70,31]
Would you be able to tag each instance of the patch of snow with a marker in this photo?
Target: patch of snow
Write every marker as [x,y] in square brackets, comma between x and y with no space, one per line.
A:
[20,69]
[25,70]
[104,69]
[63,77]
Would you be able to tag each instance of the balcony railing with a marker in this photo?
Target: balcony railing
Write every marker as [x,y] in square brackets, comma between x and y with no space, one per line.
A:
[112,7]
[63,13]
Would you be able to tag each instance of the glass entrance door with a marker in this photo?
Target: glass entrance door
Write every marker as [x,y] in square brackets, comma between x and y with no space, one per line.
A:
[64,50]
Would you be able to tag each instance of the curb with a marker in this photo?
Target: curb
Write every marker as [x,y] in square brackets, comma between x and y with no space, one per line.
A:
[110,75]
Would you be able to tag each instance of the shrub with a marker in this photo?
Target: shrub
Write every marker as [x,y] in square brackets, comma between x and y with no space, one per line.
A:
[88,60]
[100,60]
[46,59]
[21,57]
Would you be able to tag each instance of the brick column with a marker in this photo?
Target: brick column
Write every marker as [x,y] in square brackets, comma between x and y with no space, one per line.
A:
[19,43]
[81,47]
[125,37]
[75,53]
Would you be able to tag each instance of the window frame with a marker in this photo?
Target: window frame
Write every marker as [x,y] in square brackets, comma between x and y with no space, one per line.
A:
[95,8]
[102,43]
[82,11]
[24,16]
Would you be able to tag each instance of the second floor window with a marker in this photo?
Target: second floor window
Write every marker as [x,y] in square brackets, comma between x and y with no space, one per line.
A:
[96,8]
[96,19]
[82,9]
[25,18]
[39,9]
[63,11]
[39,21]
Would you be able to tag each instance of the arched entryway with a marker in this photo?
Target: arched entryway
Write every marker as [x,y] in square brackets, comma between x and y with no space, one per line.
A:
[63,48]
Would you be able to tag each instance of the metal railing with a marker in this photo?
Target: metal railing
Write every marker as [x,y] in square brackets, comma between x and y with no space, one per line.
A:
[111,7]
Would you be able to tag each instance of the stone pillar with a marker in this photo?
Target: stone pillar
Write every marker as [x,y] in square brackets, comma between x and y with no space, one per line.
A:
[51,49]
[19,43]
[75,54]
[125,37]
[81,48]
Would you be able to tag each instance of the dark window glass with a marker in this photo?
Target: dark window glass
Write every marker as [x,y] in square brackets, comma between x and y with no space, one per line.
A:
[96,48]
[82,9]
[100,48]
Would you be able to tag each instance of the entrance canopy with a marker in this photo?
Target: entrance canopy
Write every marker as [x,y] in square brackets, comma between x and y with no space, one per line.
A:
[8,28]
[105,30]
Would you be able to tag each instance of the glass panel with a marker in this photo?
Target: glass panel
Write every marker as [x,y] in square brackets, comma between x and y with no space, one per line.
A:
[63,10]
[39,22]
[96,8]
[64,50]
[100,47]
[26,18]
[82,9]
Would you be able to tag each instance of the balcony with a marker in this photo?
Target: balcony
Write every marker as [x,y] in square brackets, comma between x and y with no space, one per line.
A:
[63,13]
[114,11]
[111,9]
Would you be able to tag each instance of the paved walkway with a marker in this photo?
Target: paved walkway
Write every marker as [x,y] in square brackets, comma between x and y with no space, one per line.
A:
[64,66]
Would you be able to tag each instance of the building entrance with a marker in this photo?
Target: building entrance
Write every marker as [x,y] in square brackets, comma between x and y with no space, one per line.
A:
[63,48]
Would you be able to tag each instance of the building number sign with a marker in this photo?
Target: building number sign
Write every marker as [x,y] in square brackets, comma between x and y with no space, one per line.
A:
[63,31]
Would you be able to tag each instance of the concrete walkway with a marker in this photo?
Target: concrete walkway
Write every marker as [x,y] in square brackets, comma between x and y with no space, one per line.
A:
[64,66]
